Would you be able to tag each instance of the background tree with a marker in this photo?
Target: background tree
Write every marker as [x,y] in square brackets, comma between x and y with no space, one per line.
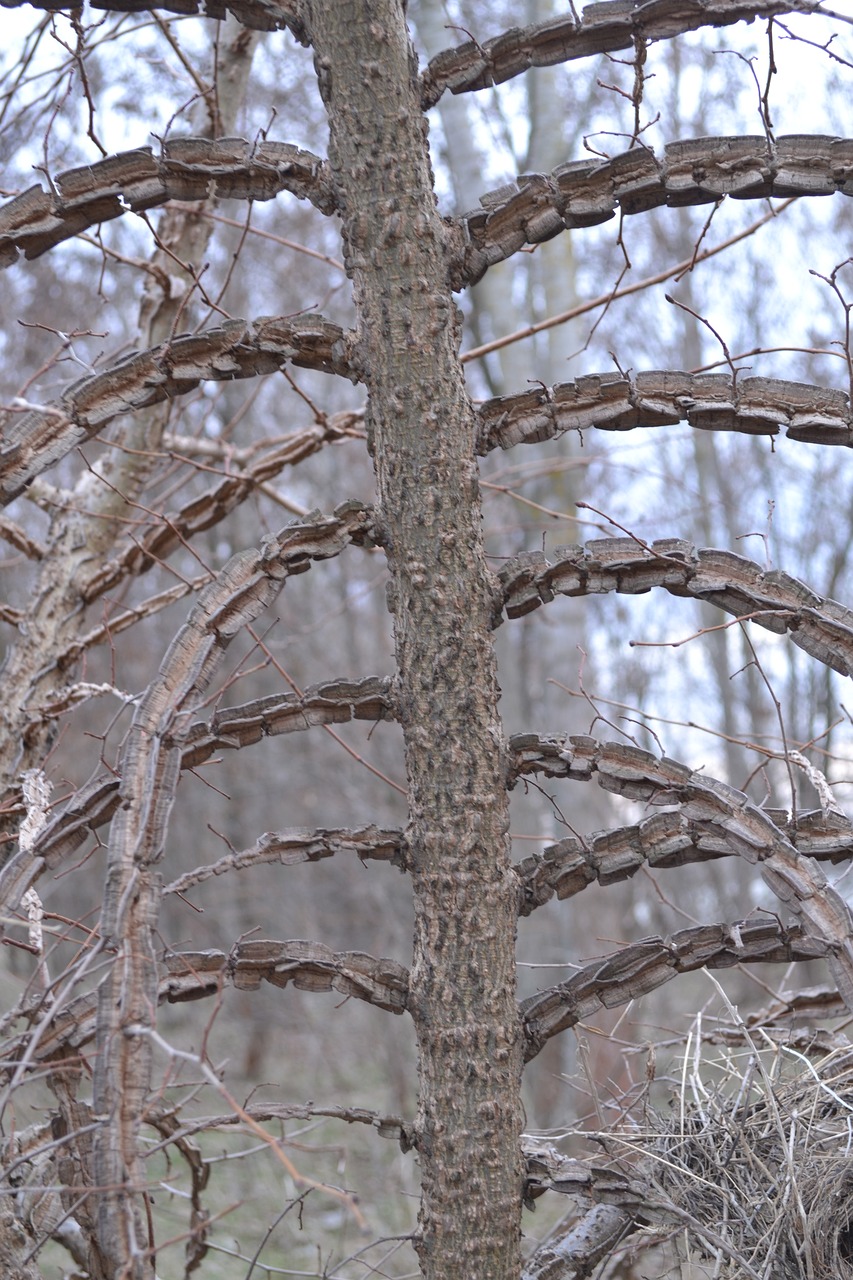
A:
[150,444]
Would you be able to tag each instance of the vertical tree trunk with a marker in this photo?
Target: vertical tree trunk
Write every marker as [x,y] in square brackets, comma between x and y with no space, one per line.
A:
[398,255]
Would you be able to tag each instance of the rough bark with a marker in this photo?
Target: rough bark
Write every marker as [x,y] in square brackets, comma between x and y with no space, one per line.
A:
[235,349]
[399,255]
[257,15]
[798,883]
[771,598]
[576,1254]
[186,169]
[603,28]
[692,171]
[657,398]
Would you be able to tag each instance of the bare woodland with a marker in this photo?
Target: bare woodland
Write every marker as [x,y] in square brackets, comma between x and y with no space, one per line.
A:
[408,416]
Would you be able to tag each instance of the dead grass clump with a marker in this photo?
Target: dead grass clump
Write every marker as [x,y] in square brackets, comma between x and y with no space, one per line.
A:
[755,1164]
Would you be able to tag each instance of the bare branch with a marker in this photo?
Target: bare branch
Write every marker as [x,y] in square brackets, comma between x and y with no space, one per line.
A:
[666,839]
[249,582]
[171,531]
[771,597]
[198,975]
[150,771]
[677,269]
[584,193]
[333,702]
[604,28]
[387,1126]
[258,15]
[19,539]
[296,845]
[132,181]
[310,966]
[708,401]
[93,805]
[646,965]
[626,770]
[576,1254]
[236,349]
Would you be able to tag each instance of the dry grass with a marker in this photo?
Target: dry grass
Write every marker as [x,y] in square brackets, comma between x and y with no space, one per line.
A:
[751,1168]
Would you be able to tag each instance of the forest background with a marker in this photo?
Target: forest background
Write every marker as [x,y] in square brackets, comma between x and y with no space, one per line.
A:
[763,286]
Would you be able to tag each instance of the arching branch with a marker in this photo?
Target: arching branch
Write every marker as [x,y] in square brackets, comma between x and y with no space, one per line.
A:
[249,582]
[298,845]
[771,598]
[36,440]
[708,401]
[665,839]
[575,1255]
[172,530]
[603,28]
[333,702]
[150,769]
[798,882]
[186,169]
[258,15]
[584,193]
[646,965]
[197,975]
[93,805]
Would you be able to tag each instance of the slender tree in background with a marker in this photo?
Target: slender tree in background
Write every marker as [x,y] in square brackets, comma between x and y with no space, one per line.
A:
[91,467]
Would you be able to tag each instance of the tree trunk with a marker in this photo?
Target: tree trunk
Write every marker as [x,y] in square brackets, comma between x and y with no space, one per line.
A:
[398,254]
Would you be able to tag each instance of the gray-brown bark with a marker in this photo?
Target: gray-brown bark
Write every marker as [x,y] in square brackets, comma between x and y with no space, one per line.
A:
[769,597]
[575,1255]
[399,255]
[257,15]
[425,436]
[708,401]
[236,349]
[585,193]
[611,981]
[187,169]
[151,764]
[799,883]
[603,28]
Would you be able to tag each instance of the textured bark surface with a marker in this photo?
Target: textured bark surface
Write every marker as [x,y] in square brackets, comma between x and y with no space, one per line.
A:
[708,401]
[399,253]
[798,883]
[574,1255]
[602,28]
[150,770]
[233,350]
[584,193]
[769,597]
[478,1170]
[259,15]
[186,169]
